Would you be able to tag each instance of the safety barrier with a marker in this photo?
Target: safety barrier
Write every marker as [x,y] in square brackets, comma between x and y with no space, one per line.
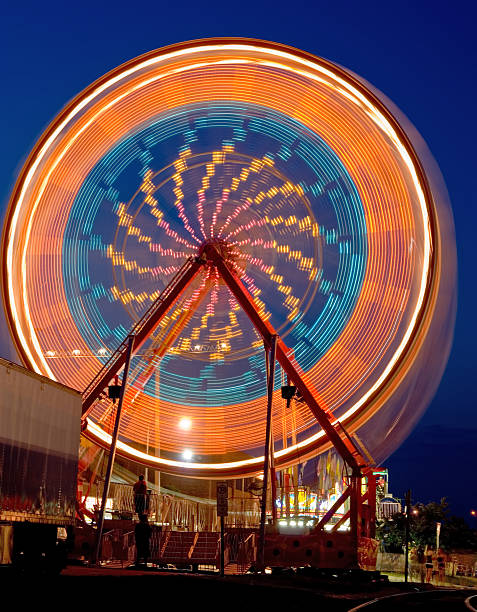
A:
[118,545]
[183,549]
[178,513]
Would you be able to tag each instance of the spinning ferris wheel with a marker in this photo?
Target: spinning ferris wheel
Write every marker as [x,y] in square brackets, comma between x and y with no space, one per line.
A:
[325,208]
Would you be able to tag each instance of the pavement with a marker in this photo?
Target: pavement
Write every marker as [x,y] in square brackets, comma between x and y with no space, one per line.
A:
[455,582]
[246,593]
[116,588]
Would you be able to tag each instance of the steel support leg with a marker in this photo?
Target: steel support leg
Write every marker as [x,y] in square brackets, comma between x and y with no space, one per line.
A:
[371,528]
[271,445]
[266,465]
[112,450]
[344,446]
[354,516]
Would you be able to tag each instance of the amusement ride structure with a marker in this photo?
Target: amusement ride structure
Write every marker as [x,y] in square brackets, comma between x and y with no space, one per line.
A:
[213,199]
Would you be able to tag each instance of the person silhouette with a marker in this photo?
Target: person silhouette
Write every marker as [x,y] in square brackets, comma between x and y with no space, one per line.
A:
[429,564]
[142,535]
[140,490]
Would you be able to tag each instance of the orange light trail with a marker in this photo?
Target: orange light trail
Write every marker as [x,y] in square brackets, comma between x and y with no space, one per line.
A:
[265,215]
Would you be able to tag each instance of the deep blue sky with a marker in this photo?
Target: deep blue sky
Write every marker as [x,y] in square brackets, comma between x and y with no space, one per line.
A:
[421,54]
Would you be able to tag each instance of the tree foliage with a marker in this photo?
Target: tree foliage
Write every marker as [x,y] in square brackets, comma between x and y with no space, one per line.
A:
[455,533]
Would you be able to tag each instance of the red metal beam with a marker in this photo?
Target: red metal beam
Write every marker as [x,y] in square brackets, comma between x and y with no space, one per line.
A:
[142,330]
[166,342]
[334,508]
[371,493]
[345,446]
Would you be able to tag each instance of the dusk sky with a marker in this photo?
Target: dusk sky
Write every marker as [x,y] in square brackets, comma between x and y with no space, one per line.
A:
[421,54]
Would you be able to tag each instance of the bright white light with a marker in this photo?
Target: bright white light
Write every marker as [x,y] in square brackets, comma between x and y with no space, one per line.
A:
[197,347]
[292,523]
[50,353]
[187,454]
[282,523]
[300,523]
[102,351]
[76,352]
[223,345]
[185,423]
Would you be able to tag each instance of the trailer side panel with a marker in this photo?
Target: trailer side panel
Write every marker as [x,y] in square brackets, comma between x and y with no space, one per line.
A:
[39,441]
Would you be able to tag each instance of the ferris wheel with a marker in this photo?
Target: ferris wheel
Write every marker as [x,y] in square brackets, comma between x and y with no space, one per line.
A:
[324,205]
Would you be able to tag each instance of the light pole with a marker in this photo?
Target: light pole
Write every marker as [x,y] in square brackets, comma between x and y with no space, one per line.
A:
[408,525]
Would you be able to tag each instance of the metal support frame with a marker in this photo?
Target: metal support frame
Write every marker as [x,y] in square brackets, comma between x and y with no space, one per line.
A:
[354,511]
[334,508]
[112,451]
[273,475]
[371,498]
[210,254]
[268,437]
[343,445]
[335,432]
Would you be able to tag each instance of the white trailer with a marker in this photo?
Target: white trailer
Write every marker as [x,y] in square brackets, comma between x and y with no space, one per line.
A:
[39,441]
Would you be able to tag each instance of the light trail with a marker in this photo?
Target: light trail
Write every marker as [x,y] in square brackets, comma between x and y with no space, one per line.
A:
[308,178]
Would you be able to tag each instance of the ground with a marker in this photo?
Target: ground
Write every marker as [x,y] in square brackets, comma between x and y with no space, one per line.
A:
[119,589]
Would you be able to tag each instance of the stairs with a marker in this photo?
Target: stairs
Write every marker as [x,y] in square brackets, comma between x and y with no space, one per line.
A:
[206,548]
[187,548]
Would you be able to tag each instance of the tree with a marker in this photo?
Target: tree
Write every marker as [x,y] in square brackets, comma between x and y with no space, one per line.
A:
[455,533]
[424,519]
[391,532]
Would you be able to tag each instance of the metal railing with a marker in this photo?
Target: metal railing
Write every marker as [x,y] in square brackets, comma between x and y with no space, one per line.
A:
[178,513]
